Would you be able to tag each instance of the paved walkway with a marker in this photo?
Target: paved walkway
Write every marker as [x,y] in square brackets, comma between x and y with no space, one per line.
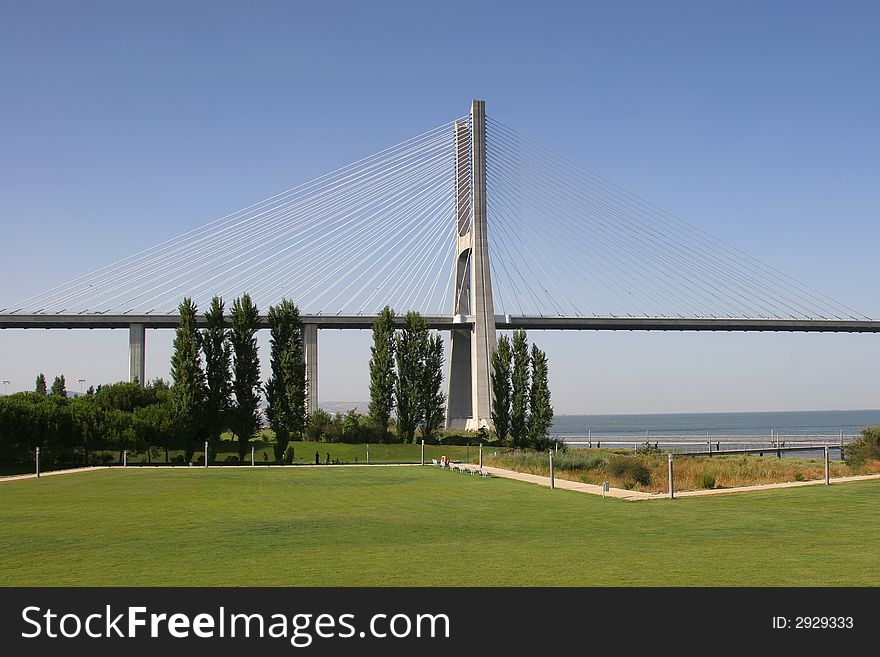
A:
[200,467]
[637,496]
[52,473]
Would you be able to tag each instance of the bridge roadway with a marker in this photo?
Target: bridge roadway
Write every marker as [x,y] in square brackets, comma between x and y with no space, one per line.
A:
[448,322]
[137,325]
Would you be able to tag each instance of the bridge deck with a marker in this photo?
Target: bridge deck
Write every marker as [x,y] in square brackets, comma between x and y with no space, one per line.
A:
[448,322]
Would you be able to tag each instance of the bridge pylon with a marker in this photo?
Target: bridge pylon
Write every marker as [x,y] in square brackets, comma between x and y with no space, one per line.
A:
[469,399]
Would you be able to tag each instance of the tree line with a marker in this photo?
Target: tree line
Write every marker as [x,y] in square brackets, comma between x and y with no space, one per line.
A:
[216,388]
[406,377]
[216,374]
[521,409]
[116,417]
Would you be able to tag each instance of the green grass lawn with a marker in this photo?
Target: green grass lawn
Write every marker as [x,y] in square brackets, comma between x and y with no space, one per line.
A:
[420,526]
[304,450]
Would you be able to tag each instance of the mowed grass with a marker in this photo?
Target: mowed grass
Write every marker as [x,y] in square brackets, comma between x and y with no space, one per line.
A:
[304,452]
[419,526]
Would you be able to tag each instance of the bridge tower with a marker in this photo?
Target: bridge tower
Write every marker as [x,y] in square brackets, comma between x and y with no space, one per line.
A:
[469,400]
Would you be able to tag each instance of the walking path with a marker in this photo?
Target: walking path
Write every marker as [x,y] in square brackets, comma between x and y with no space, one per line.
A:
[91,468]
[636,496]
[52,473]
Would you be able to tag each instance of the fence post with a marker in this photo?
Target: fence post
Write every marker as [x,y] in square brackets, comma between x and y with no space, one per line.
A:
[827,468]
[671,480]
[206,453]
[38,462]
[252,456]
[552,479]
[481,456]
[423,452]
[124,458]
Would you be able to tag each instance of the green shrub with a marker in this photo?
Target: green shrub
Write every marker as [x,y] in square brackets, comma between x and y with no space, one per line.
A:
[707,480]
[458,439]
[865,447]
[799,476]
[232,459]
[629,469]
[595,463]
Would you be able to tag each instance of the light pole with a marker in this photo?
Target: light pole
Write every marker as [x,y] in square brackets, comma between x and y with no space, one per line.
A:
[80,382]
[6,386]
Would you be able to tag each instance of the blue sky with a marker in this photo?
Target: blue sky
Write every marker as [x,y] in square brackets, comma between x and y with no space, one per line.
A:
[122,124]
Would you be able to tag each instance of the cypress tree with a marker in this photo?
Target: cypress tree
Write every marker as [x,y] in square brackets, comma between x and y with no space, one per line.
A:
[519,405]
[244,418]
[433,401]
[382,375]
[188,391]
[285,389]
[59,387]
[296,378]
[218,375]
[41,384]
[500,378]
[541,412]
[408,349]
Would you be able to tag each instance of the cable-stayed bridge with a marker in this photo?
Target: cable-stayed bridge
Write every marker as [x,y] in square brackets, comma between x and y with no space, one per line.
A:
[413,227]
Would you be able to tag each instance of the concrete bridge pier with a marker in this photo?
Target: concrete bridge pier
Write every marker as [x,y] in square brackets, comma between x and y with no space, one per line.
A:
[310,349]
[137,340]
[469,398]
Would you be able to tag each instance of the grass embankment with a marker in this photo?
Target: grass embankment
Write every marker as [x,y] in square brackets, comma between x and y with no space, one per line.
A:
[419,526]
[648,472]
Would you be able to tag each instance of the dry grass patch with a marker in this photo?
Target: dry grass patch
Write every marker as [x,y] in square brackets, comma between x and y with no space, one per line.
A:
[648,472]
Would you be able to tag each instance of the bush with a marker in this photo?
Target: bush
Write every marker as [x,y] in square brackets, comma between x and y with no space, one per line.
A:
[866,447]
[232,459]
[457,439]
[799,476]
[546,444]
[706,480]
[177,459]
[629,469]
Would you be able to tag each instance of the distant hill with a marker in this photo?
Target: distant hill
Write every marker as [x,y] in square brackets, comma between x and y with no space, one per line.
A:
[345,406]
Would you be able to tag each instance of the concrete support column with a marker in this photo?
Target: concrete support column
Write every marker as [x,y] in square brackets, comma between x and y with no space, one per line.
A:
[310,348]
[481,281]
[459,398]
[137,340]
[469,400]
